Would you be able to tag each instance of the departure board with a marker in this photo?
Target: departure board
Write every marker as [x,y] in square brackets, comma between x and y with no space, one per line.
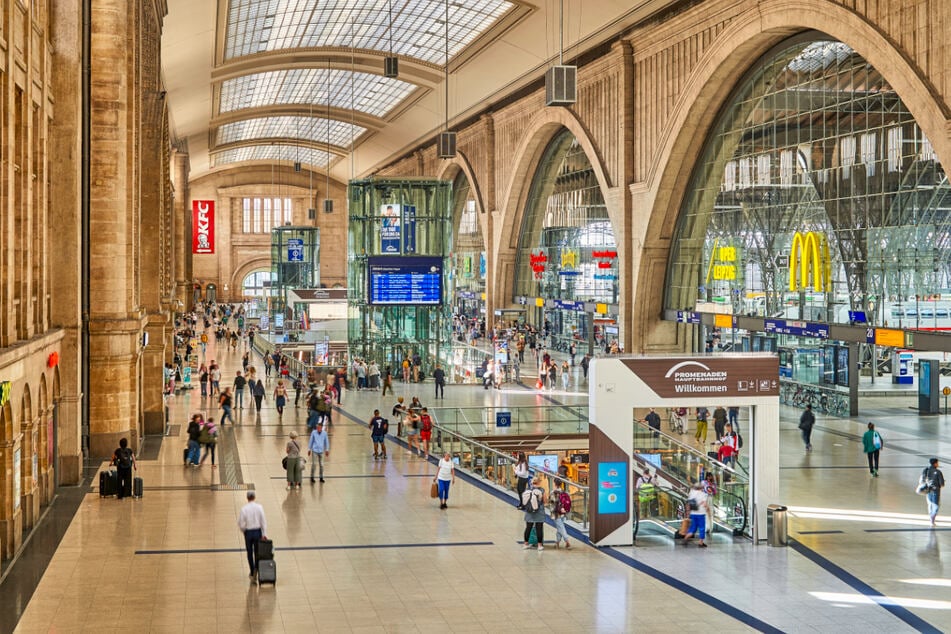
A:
[405,280]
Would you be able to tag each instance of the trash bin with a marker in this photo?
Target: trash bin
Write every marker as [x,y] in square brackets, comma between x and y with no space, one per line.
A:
[503,419]
[776,525]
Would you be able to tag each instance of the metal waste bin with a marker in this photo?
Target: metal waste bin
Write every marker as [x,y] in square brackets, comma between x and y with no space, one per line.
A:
[776,525]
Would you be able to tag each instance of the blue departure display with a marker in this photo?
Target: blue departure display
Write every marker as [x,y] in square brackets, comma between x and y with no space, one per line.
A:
[405,280]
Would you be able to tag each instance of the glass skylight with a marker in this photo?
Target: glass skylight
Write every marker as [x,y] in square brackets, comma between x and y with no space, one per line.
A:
[255,26]
[289,153]
[373,94]
[289,127]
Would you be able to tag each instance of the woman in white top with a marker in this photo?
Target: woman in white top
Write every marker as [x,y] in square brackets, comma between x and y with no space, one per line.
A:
[522,477]
[445,476]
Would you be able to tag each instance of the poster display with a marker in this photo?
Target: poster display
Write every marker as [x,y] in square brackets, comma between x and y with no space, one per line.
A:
[405,280]
[409,229]
[203,227]
[390,229]
[612,488]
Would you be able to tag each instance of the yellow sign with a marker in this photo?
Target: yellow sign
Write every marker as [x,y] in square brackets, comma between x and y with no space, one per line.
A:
[946,391]
[540,302]
[717,270]
[888,337]
[723,321]
[810,251]
[601,309]
[569,259]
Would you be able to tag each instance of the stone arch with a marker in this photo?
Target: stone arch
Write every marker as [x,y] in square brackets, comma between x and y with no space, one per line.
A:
[451,168]
[540,131]
[711,83]
[247,267]
[7,423]
[26,406]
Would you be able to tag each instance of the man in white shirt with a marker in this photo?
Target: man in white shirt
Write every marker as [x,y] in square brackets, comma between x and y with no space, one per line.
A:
[252,523]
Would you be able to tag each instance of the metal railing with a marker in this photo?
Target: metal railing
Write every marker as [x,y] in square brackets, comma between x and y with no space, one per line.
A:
[498,468]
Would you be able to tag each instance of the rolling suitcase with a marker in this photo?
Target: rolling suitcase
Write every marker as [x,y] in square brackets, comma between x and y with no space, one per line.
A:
[137,487]
[267,572]
[265,550]
[108,483]
[185,455]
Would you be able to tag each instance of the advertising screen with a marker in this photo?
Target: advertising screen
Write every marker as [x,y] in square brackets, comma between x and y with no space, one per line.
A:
[612,488]
[653,458]
[405,280]
[544,462]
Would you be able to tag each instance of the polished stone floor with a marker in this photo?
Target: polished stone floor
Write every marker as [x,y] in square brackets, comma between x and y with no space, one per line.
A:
[369,551]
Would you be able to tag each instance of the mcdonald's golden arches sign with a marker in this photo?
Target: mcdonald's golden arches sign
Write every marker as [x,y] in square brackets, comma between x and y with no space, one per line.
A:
[810,254]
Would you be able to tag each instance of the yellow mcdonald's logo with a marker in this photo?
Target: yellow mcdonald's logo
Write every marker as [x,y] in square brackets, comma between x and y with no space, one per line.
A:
[569,259]
[810,251]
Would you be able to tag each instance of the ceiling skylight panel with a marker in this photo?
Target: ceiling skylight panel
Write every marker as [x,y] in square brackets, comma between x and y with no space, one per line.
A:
[268,25]
[314,129]
[372,94]
[289,153]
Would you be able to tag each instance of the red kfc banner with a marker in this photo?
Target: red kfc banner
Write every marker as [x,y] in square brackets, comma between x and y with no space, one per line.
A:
[203,226]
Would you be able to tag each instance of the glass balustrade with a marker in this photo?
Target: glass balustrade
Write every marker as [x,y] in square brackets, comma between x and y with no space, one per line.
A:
[499,469]
[536,419]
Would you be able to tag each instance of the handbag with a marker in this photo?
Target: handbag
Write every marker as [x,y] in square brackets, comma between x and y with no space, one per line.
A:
[284,463]
[434,490]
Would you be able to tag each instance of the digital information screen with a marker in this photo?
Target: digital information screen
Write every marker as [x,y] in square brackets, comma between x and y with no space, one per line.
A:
[405,280]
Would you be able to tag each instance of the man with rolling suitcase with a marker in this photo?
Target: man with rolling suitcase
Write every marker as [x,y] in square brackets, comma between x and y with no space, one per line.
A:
[124,460]
[253,524]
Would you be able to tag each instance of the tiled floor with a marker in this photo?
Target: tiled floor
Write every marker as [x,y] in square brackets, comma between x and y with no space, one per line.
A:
[369,551]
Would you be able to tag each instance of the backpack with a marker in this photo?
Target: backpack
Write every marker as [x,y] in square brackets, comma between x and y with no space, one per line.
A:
[530,499]
[564,501]
[925,482]
[124,457]
[426,422]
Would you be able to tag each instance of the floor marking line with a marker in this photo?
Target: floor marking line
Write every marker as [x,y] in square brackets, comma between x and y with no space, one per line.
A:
[212,551]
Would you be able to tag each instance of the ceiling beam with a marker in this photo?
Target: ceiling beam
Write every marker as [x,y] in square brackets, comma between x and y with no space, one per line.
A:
[344,115]
[336,150]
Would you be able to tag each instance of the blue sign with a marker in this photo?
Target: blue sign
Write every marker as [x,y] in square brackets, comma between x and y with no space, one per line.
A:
[503,419]
[612,488]
[774,325]
[409,233]
[688,317]
[566,304]
[819,331]
[295,250]
[278,320]
[858,317]
[797,328]
[482,265]
[405,280]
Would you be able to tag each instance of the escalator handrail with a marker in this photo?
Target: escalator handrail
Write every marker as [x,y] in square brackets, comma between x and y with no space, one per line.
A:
[682,445]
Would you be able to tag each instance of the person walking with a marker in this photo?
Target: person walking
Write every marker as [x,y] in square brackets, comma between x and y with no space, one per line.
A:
[215,374]
[872,444]
[317,447]
[697,503]
[225,402]
[280,398]
[534,500]
[653,421]
[194,434]
[933,481]
[124,460]
[560,507]
[565,375]
[719,421]
[425,431]
[298,388]
[522,476]
[208,438]
[239,383]
[203,380]
[806,421]
[439,376]
[253,525]
[387,380]
[701,435]
[258,392]
[445,476]
[293,461]
[378,429]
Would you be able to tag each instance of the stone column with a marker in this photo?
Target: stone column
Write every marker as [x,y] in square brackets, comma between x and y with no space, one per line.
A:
[489,217]
[29,492]
[11,517]
[182,223]
[65,254]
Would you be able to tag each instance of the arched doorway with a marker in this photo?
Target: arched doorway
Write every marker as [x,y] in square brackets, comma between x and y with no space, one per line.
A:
[567,256]
[257,289]
[211,294]
[468,253]
[818,198]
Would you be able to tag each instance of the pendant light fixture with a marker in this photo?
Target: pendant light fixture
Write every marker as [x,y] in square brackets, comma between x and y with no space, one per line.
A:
[446,146]
[311,209]
[391,63]
[328,201]
[561,82]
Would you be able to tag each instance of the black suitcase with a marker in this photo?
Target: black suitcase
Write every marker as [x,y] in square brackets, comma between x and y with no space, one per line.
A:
[137,487]
[267,572]
[108,483]
[265,550]
[185,455]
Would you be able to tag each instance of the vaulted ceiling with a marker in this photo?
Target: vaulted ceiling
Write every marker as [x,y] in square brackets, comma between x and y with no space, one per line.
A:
[302,80]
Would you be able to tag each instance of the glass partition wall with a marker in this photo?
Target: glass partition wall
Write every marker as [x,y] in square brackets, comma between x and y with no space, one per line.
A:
[818,197]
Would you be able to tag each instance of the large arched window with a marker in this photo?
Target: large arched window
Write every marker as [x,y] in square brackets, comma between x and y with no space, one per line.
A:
[468,250]
[257,284]
[566,249]
[817,195]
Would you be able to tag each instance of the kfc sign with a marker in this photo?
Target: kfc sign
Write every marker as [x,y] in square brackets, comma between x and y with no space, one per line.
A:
[203,226]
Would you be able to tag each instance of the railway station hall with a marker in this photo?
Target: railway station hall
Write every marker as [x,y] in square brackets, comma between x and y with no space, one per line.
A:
[475,316]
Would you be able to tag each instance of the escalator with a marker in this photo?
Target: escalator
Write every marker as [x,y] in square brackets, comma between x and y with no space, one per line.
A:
[676,466]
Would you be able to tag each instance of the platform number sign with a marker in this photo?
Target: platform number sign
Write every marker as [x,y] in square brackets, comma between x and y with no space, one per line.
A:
[295,250]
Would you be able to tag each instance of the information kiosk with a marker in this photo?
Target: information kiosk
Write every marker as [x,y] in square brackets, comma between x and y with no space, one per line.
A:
[618,385]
